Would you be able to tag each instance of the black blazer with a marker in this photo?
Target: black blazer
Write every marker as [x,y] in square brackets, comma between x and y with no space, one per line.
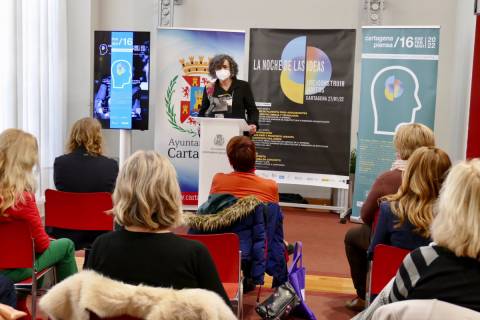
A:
[80,172]
[242,101]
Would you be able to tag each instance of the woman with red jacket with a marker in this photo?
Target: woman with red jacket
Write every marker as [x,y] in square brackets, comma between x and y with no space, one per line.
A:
[18,156]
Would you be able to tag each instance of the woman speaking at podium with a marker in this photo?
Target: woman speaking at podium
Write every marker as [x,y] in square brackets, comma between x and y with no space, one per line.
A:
[228,97]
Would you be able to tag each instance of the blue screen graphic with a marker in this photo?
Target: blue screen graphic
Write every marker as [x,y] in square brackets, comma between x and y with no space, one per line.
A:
[121,79]
[121,72]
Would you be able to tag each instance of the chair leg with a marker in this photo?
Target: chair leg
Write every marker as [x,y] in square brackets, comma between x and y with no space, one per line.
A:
[34,298]
[240,287]
[368,294]
[240,301]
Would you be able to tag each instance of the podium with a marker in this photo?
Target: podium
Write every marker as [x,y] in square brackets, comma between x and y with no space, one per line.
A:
[214,136]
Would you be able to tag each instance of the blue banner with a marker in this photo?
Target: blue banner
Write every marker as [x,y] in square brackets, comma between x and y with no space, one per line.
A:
[398,86]
[121,81]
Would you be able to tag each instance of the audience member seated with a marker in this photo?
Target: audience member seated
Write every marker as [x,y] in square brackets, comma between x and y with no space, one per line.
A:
[83,169]
[147,203]
[235,205]
[243,181]
[405,217]
[407,139]
[88,291]
[18,156]
[448,270]
[425,310]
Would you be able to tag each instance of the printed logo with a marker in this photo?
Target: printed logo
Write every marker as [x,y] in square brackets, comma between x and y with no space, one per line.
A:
[193,80]
[393,88]
[395,100]
[219,140]
[307,72]
[121,72]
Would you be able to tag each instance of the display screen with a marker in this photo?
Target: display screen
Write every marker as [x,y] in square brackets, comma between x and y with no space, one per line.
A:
[121,79]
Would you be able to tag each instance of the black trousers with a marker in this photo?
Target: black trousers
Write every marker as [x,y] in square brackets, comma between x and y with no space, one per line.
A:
[357,240]
[7,292]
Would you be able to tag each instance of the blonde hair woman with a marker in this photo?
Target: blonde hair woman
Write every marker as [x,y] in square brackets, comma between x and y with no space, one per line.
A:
[83,169]
[407,139]
[147,202]
[449,270]
[18,156]
[406,216]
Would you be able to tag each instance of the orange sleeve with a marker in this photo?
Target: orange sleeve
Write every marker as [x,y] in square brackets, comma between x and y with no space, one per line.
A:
[215,183]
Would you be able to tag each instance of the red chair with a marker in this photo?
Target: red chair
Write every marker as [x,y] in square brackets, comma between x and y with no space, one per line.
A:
[78,211]
[384,266]
[225,251]
[17,250]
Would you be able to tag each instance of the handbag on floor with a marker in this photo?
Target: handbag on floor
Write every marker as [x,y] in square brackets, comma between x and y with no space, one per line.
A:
[296,277]
[279,304]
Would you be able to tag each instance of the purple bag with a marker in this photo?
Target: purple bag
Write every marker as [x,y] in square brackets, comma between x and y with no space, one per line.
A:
[296,277]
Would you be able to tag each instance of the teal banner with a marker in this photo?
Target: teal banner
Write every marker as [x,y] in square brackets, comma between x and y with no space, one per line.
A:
[398,86]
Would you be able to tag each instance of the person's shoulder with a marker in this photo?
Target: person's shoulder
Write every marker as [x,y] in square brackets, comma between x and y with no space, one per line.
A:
[112,236]
[267,181]
[387,213]
[241,83]
[423,257]
[219,176]
[109,235]
[110,160]
[106,161]
[385,206]
[62,158]
[390,174]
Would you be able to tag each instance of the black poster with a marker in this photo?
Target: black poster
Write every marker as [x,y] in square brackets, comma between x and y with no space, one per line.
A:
[302,81]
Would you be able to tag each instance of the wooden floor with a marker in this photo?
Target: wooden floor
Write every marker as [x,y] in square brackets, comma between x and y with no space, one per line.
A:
[324,284]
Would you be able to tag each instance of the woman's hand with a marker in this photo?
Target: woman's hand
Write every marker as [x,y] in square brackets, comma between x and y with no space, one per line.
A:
[210,87]
[253,129]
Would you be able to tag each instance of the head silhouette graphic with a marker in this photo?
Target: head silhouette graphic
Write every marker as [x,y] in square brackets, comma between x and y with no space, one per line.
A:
[121,73]
[395,101]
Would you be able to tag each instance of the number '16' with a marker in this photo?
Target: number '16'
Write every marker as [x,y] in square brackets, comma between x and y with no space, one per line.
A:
[405,42]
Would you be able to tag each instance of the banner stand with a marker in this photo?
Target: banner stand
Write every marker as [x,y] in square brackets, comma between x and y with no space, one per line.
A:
[340,203]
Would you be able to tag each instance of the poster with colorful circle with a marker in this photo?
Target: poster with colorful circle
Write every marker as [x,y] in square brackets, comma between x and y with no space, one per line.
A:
[302,81]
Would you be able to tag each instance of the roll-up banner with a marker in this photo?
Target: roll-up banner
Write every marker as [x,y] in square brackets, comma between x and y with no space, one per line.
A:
[398,86]
[302,82]
[182,72]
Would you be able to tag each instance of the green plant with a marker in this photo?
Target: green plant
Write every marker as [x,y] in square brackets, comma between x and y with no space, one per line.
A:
[353,160]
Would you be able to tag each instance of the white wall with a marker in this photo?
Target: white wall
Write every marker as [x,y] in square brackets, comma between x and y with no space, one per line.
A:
[456,47]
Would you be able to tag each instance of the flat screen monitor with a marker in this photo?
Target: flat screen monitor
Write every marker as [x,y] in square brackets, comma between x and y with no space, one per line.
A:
[121,79]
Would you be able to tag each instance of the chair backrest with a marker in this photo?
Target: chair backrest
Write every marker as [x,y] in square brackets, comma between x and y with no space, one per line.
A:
[16,245]
[224,249]
[78,211]
[385,264]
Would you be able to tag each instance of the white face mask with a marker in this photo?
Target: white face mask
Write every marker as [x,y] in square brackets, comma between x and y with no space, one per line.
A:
[222,74]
